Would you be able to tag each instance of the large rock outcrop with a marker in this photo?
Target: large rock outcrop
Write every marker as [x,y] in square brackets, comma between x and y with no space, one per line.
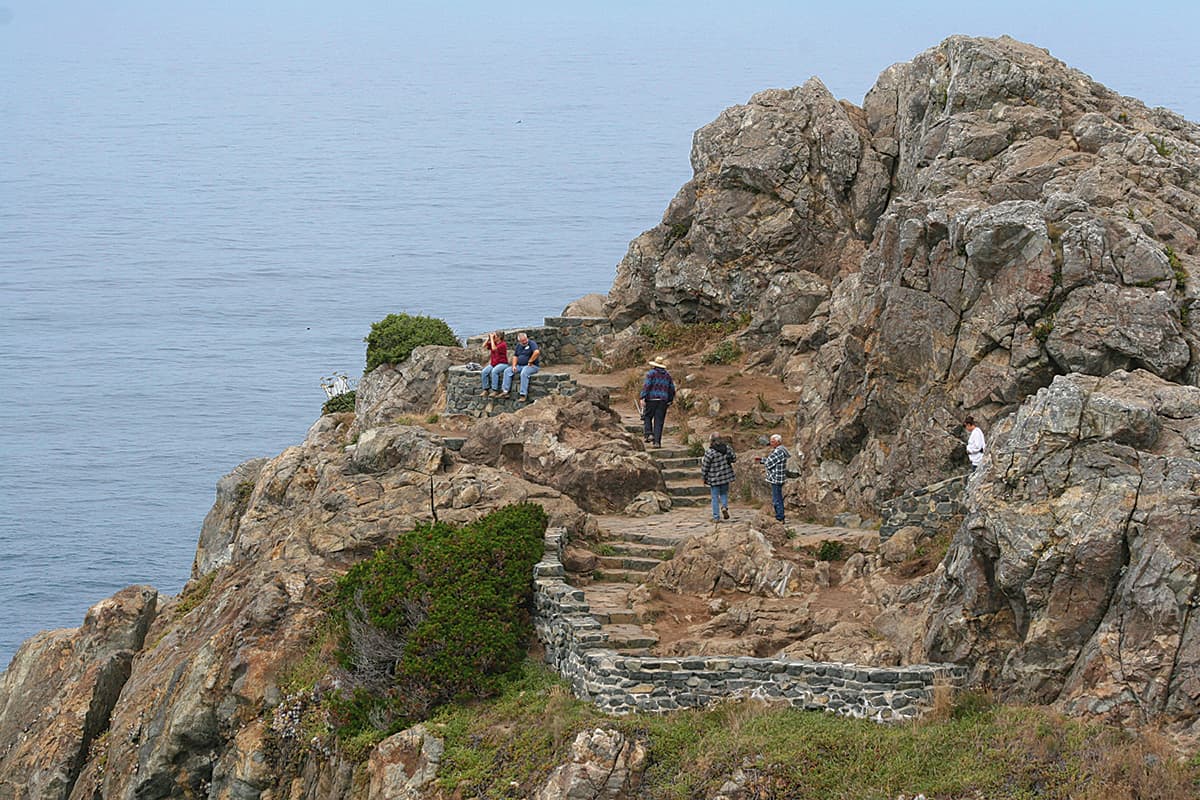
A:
[391,391]
[989,218]
[1076,578]
[192,698]
[58,694]
[574,444]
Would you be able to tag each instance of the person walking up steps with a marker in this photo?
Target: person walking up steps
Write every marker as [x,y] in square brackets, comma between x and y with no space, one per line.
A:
[658,392]
[716,469]
[776,468]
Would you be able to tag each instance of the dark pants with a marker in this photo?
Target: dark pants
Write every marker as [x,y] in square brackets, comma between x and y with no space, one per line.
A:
[777,500]
[653,418]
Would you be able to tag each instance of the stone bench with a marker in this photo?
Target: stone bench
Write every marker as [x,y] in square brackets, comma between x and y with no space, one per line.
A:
[463,387]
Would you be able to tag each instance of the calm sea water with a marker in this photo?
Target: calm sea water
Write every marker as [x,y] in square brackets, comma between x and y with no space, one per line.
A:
[203,207]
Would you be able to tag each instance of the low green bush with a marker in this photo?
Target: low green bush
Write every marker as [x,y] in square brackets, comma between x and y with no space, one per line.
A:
[726,352]
[442,614]
[394,337]
[830,551]
[339,403]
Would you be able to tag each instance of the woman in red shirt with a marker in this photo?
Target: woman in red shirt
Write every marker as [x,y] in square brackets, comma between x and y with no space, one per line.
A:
[499,361]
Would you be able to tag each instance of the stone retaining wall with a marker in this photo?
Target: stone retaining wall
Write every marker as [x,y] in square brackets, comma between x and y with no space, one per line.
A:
[561,339]
[930,507]
[463,387]
[575,646]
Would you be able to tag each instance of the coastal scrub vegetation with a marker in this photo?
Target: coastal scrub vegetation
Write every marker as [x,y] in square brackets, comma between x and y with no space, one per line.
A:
[394,337]
[506,747]
[339,403]
[440,615]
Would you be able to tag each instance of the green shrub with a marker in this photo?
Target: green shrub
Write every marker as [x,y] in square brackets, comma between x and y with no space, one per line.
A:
[830,551]
[394,337]
[339,403]
[725,353]
[442,614]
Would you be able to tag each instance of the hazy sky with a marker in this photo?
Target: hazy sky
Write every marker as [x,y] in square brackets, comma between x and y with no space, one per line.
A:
[1145,49]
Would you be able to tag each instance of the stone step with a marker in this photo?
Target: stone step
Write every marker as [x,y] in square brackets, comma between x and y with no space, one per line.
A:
[671,540]
[640,549]
[690,462]
[616,616]
[624,636]
[668,474]
[688,490]
[689,501]
[602,576]
[625,563]
[666,453]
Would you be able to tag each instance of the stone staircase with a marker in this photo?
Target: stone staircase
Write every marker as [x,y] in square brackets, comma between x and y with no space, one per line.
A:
[629,548]
[680,470]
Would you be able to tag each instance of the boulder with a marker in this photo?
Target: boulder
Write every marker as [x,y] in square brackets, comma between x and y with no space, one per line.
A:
[415,387]
[215,547]
[402,766]
[590,305]
[647,504]
[58,694]
[605,765]
[572,444]
[1074,576]
[728,559]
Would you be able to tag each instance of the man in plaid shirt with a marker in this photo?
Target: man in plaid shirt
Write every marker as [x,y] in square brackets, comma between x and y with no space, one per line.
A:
[776,467]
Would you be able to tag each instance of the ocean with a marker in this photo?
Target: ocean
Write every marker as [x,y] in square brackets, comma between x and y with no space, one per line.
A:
[204,206]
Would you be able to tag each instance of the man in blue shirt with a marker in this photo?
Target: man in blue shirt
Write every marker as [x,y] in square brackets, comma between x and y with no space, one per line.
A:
[658,391]
[523,360]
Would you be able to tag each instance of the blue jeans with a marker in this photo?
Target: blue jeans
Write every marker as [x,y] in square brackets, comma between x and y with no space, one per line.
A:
[490,377]
[720,498]
[777,500]
[526,371]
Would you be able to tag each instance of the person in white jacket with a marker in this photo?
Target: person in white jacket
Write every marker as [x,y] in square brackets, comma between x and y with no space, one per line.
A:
[976,444]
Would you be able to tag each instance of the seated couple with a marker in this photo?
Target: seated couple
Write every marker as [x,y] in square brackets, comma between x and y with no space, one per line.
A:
[497,376]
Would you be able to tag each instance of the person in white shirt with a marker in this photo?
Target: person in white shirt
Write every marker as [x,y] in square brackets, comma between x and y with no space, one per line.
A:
[976,444]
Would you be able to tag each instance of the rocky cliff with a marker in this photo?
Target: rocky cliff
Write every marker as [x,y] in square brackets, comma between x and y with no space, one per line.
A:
[989,219]
[990,233]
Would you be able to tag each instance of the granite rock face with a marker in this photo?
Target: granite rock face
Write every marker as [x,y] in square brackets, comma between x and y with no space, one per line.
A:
[193,687]
[573,444]
[416,386]
[1076,577]
[605,765]
[989,218]
[58,694]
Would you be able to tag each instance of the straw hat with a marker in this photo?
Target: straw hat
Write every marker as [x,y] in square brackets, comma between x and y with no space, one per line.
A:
[658,361]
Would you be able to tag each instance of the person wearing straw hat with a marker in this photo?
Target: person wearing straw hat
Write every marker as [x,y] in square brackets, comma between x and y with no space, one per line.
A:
[658,392]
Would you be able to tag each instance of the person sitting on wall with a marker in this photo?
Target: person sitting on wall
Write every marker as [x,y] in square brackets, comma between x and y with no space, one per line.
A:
[498,356]
[524,360]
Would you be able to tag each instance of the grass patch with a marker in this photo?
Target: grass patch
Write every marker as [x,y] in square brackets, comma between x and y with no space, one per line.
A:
[506,747]
[727,352]
[830,550]
[689,338]
[195,592]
